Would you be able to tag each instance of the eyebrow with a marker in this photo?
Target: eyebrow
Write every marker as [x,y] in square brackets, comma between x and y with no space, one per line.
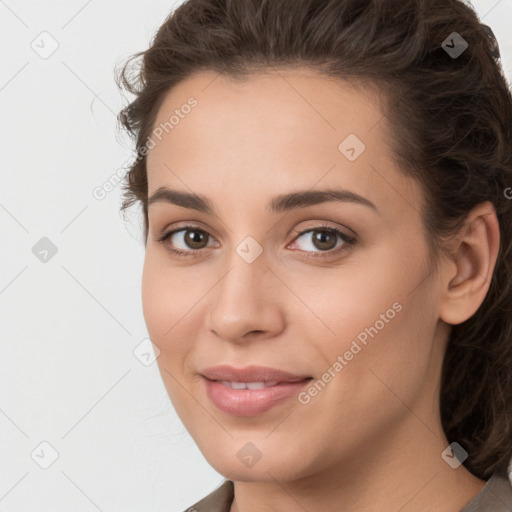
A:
[278,204]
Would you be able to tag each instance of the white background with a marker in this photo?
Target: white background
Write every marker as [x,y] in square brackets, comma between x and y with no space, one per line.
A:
[69,326]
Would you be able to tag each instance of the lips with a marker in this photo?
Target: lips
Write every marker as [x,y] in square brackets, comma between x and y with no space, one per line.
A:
[250,391]
[251,374]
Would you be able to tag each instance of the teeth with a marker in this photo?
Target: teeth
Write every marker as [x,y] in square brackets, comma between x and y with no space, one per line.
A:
[238,385]
[249,385]
[260,385]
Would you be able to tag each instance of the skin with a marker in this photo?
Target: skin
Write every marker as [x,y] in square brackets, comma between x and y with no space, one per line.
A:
[373,435]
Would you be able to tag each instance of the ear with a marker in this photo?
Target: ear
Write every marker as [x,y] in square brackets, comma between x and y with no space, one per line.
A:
[467,272]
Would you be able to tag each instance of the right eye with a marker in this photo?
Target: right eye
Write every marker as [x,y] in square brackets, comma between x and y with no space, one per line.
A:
[190,237]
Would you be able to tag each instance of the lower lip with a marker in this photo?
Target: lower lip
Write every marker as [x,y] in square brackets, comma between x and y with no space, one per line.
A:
[250,402]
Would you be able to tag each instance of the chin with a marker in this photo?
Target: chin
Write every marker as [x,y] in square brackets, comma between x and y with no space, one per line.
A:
[239,461]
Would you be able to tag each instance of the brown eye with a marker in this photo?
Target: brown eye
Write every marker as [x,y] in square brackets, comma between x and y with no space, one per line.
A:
[195,238]
[324,239]
[185,240]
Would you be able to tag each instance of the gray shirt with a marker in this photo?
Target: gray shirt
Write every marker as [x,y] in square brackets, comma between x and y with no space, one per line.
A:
[496,496]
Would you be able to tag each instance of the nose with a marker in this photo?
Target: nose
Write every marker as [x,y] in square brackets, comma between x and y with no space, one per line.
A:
[247,302]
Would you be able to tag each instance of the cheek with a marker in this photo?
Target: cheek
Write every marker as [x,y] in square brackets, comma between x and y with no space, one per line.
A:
[384,326]
[155,298]
[384,304]
[164,307]
[352,301]
[166,296]
[170,303]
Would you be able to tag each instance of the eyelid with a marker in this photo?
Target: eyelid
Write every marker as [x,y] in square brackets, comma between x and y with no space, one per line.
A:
[318,225]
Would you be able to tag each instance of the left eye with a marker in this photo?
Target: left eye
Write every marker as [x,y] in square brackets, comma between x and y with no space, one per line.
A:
[324,239]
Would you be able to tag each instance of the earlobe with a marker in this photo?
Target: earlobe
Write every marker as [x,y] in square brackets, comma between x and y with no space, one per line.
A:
[470,269]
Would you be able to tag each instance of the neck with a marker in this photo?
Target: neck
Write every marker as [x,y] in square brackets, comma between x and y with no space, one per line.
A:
[403,472]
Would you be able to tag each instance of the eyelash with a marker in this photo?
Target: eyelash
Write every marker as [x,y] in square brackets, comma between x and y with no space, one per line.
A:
[347,245]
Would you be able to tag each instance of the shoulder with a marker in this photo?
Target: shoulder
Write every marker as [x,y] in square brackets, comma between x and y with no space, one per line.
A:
[496,496]
[217,501]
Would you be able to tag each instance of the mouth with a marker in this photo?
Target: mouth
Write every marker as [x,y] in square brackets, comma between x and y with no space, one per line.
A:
[250,391]
[249,385]
[251,375]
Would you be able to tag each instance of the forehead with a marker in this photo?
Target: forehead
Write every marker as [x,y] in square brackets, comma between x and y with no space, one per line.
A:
[279,129]
[279,107]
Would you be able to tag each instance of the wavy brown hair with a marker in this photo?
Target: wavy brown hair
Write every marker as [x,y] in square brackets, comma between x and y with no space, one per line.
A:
[450,121]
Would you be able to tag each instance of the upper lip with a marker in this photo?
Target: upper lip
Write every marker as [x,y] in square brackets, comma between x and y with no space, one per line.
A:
[250,374]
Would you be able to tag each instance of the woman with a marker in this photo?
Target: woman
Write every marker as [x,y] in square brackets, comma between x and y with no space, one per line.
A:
[325,187]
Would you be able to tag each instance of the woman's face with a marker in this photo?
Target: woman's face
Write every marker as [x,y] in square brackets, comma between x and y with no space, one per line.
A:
[266,280]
